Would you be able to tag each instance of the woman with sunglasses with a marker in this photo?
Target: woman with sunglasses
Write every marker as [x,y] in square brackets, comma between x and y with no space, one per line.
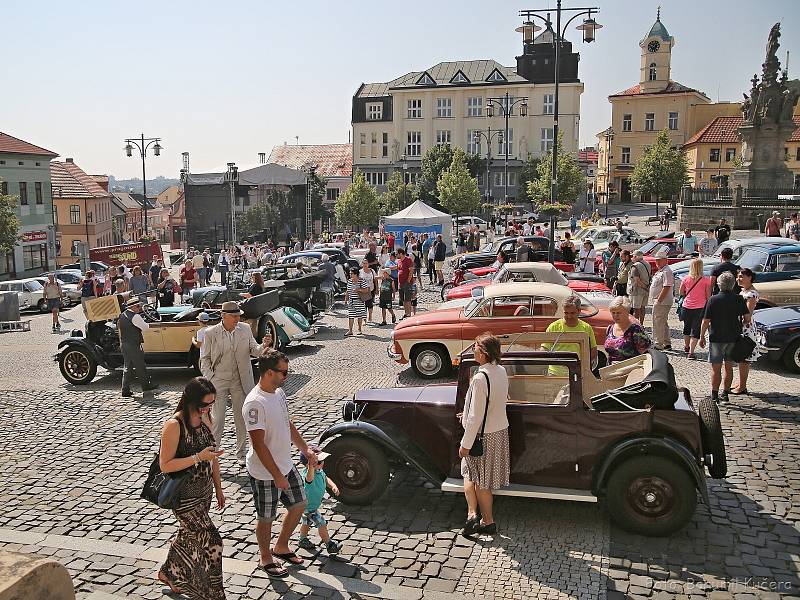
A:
[194,562]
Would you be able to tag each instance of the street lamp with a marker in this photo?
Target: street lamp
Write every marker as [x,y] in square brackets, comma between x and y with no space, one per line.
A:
[405,180]
[231,176]
[310,169]
[589,28]
[505,104]
[488,135]
[609,135]
[142,144]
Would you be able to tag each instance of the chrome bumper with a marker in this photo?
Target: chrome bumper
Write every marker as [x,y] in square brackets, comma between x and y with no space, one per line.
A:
[392,354]
[304,334]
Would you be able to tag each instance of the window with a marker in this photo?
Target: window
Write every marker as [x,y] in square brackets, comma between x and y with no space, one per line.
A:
[649,121]
[549,104]
[74,214]
[374,145]
[425,80]
[785,154]
[475,106]
[652,76]
[753,259]
[443,137]
[444,107]
[377,178]
[331,194]
[507,104]
[415,108]
[23,193]
[626,122]
[374,111]
[546,139]
[362,147]
[409,177]
[459,78]
[385,151]
[75,247]
[506,145]
[713,155]
[473,145]
[32,256]
[512,179]
[38,190]
[414,143]
[787,262]
[626,155]
[797,156]
[672,121]
[730,154]
[88,217]
[498,179]
[496,77]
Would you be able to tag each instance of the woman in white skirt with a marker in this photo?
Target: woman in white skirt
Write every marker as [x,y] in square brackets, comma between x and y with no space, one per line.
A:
[490,471]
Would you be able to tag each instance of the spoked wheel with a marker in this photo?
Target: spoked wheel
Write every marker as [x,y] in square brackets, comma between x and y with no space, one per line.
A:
[77,366]
[359,468]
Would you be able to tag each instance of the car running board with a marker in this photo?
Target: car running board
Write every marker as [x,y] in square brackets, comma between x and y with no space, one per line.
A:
[451,484]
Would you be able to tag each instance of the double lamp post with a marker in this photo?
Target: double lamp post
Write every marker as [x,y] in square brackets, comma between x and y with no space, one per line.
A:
[143,144]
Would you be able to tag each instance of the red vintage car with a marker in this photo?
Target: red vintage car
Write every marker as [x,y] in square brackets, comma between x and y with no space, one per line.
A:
[433,341]
[670,246]
[526,271]
[484,271]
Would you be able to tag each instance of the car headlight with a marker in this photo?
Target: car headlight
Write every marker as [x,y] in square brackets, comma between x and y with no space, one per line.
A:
[349,410]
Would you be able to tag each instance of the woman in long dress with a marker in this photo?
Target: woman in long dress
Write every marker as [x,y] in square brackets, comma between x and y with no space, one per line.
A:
[745,280]
[194,562]
[356,307]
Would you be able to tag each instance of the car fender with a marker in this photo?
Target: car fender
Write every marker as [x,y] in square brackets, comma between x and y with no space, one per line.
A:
[93,350]
[392,440]
[660,446]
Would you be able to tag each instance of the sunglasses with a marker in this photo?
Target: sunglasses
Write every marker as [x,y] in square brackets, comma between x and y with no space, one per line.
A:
[206,405]
[284,372]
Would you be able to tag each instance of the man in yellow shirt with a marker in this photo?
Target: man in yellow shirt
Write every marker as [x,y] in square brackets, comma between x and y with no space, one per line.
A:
[570,324]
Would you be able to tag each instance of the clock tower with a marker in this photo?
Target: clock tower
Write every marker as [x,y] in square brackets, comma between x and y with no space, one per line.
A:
[656,55]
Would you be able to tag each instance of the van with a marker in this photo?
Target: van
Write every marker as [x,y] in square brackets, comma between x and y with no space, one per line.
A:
[29,291]
[468,221]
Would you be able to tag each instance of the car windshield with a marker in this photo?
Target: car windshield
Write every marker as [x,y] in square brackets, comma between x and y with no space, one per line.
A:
[649,247]
[584,233]
[501,275]
[753,259]
[488,247]
[33,286]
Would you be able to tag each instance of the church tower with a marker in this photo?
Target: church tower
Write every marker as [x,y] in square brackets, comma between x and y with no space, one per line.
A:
[656,48]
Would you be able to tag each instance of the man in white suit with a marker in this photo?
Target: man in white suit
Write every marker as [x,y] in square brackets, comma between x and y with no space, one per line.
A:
[228,347]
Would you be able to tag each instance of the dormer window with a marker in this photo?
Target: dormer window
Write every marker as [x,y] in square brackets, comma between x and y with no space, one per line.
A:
[496,77]
[426,79]
[652,76]
[459,77]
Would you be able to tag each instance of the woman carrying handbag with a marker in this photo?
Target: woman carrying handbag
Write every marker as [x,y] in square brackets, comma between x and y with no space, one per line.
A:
[484,451]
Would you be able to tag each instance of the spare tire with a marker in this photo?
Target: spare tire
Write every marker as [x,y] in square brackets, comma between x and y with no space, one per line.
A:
[712,438]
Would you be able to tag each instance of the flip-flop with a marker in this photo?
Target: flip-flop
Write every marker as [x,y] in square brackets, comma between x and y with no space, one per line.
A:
[290,557]
[163,579]
[274,569]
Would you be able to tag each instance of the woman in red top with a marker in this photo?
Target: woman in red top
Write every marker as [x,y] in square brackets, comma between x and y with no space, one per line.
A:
[188,277]
[695,290]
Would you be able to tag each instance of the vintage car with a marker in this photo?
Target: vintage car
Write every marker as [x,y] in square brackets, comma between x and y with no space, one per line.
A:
[778,334]
[736,246]
[629,437]
[166,344]
[602,235]
[70,294]
[488,254]
[433,341]
[30,293]
[525,271]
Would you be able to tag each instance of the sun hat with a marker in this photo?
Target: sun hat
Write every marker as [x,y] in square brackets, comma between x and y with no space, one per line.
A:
[231,308]
[133,302]
[204,317]
[662,254]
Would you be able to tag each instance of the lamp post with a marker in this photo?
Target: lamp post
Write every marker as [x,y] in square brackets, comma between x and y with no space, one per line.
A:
[310,170]
[488,135]
[609,135]
[405,180]
[589,28]
[231,176]
[505,105]
[142,144]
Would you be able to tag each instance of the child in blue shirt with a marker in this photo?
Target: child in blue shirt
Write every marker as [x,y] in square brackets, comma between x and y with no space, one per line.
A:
[314,482]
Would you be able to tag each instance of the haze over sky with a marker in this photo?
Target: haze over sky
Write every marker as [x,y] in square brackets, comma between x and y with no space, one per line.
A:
[226,80]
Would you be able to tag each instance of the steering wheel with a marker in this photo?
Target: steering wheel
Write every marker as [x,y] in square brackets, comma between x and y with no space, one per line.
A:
[150,313]
[205,304]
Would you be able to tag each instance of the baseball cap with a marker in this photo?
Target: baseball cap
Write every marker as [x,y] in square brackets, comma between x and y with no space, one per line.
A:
[321,456]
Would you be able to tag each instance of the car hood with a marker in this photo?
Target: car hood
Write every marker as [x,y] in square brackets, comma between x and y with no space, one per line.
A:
[440,393]
[774,318]
[682,267]
[434,317]
[465,289]
[583,285]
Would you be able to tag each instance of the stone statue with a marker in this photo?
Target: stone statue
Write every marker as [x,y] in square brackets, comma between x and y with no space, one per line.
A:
[772,42]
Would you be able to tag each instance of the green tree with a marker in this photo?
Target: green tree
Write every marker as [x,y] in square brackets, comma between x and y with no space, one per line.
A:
[529,172]
[434,162]
[570,182]
[661,170]
[265,214]
[458,190]
[397,196]
[319,189]
[476,164]
[9,223]
[359,205]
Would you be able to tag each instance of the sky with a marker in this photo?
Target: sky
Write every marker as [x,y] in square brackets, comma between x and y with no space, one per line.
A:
[227,80]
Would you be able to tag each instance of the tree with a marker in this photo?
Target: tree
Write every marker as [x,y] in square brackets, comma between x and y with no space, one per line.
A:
[397,195]
[476,164]
[434,162]
[9,223]
[319,189]
[359,205]
[660,171]
[570,182]
[458,190]
[264,214]
[528,173]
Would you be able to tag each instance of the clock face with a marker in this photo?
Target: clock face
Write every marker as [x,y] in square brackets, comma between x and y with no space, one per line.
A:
[653,46]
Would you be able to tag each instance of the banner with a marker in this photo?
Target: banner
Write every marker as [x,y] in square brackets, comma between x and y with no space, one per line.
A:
[399,230]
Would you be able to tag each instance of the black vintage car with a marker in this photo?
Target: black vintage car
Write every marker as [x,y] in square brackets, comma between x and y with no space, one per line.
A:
[778,334]
[488,254]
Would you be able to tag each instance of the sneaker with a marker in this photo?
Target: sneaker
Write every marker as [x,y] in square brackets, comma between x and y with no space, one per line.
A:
[54,328]
[127,394]
[333,547]
[723,397]
[383,323]
[307,544]
[715,396]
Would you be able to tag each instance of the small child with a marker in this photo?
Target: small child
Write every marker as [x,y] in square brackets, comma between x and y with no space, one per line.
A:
[387,289]
[314,482]
[413,298]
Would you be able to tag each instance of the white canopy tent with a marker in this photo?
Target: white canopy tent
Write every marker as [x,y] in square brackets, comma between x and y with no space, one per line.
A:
[421,218]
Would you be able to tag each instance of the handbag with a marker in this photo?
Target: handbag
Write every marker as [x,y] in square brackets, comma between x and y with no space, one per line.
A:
[477,445]
[364,293]
[742,348]
[679,308]
[164,489]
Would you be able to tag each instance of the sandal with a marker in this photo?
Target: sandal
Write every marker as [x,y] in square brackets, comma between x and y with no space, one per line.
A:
[274,569]
[738,392]
[290,557]
[163,579]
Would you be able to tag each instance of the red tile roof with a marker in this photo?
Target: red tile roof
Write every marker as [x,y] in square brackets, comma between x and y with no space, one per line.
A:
[673,87]
[587,155]
[14,145]
[332,160]
[70,181]
[723,130]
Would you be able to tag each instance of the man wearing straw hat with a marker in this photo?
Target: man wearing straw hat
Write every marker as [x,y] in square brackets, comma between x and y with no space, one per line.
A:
[131,326]
[225,360]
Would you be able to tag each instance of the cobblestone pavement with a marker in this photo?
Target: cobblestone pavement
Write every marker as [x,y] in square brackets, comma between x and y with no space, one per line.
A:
[75,458]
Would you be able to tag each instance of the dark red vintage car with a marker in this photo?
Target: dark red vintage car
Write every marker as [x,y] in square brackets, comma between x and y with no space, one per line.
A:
[669,245]
[630,438]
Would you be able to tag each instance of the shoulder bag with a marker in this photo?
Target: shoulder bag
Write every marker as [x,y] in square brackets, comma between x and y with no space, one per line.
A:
[364,293]
[164,489]
[477,445]
[679,308]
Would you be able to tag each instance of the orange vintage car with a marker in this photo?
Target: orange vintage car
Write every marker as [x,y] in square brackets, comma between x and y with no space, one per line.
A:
[433,341]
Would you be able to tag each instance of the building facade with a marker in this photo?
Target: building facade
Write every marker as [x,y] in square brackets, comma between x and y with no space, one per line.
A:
[640,112]
[82,210]
[25,173]
[127,215]
[394,123]
[333,162]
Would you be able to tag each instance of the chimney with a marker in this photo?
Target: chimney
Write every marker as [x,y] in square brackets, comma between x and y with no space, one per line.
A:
[69,160]
[262,157]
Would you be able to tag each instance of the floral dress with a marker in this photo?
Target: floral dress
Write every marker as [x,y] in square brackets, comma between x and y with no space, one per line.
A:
[631,343]
[750,330]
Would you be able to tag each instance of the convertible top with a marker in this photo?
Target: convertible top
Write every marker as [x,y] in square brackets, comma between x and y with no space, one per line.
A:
[657,388]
